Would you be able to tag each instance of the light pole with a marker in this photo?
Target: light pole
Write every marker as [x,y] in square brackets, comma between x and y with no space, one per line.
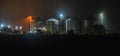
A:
[30,20]
[101,15]
[61,22]
[61,17]
[2,25]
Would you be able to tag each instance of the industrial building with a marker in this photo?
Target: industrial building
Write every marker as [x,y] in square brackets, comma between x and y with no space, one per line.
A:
[53,25]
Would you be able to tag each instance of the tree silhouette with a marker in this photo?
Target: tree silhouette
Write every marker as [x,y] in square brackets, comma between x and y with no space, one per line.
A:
[90,23]
[70,32]
[98,29]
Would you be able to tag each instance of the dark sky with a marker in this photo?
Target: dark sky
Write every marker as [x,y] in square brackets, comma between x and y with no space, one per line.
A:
[13,11]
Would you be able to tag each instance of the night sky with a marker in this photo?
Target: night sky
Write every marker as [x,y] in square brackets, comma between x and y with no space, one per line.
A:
[14,11]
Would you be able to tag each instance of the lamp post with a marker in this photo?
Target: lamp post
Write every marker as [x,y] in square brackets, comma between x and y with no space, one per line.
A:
[1,26]
[101,15]
[61,17]
[30,20]
[61,22]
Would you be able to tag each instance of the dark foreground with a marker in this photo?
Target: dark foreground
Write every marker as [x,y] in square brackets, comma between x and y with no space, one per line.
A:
[54,43]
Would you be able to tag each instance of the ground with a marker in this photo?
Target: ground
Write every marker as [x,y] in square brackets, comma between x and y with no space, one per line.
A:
[53,43]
